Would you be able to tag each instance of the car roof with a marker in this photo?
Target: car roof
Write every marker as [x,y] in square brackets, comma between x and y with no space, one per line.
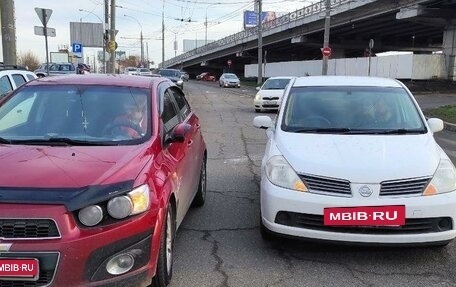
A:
[281,78]
[361,81]
[99,79]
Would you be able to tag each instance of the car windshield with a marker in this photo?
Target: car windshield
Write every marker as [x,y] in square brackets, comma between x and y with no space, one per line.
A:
[77,115]
[275,84]
[231,76]
[144,70]
[351,110]
[131,69]
[169,73]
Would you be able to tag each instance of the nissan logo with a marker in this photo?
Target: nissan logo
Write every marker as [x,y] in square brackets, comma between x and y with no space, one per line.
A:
[365,191]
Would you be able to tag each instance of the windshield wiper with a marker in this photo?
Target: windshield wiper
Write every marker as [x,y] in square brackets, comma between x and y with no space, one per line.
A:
[56,141]
[321,130]
[401,131]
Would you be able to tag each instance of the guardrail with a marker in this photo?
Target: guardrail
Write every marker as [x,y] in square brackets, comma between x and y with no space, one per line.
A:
[279,21]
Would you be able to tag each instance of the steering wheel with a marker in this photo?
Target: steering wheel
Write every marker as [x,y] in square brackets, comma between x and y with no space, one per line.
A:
[317,119]
[115,128]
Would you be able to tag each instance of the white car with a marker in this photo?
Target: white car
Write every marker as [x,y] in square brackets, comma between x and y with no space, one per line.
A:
[229,80]
[131,71]
[269,95]
[353,159]
[11,78]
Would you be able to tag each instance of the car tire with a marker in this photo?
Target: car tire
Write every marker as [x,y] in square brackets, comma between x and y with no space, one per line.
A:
[200,196]
[165,256]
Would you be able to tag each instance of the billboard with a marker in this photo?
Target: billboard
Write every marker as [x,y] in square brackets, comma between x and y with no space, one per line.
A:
[88,34]
[250,18]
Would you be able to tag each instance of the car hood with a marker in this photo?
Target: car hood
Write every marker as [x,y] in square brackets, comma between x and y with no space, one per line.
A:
[174,79]
[271,93]
[361,158]
[69,167]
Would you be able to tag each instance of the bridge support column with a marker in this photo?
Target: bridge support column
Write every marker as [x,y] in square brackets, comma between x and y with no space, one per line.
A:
[449,49]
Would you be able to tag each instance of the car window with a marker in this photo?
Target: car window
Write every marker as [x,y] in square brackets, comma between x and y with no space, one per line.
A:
[182,104]
[275,84]
[354,108]
[18,79]
[30,77]
[54,68]
[169,115]
[105,114]
[5,85]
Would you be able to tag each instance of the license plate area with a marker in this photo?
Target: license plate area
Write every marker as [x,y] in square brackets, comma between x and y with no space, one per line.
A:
[270,102]
[369,216]
[19,269]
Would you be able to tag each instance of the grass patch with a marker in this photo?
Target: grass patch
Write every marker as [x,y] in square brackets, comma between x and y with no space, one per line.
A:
[446,113]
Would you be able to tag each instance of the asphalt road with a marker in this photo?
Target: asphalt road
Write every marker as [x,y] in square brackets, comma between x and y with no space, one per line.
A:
[219,244]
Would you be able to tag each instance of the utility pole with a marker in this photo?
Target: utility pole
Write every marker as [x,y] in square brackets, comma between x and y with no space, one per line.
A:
[8,32]
[324,68]
[142,49]
[163,34]
[105,35]
[112,31]
[260,45]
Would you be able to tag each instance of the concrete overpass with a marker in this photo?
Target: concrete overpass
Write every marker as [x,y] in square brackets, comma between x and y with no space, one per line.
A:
[421,26]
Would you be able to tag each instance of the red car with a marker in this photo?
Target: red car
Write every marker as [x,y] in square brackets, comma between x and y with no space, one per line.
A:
[206,77]
[91,194]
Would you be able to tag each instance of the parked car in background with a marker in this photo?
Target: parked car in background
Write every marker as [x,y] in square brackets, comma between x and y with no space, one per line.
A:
[12,77]
[354,160]
[185,76]
[97,175]
[174,75]
[56,69]
[229,80]
[143,72]
[270,94]
[83,68]
[206,76]
[131,71]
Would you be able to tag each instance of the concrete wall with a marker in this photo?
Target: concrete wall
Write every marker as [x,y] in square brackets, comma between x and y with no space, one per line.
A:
[409,66]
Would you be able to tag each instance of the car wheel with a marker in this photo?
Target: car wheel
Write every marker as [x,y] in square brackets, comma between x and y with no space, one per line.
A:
[200,196]
[165,255]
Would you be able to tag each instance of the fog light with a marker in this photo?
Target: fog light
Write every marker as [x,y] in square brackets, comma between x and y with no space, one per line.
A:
[120,264]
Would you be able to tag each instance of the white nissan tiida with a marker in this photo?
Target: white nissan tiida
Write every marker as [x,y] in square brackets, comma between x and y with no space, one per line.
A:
[353,159]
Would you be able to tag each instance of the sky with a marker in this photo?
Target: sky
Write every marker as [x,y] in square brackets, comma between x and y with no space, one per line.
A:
[224,17]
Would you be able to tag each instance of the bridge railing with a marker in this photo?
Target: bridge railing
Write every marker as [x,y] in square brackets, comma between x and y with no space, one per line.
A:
[279,21]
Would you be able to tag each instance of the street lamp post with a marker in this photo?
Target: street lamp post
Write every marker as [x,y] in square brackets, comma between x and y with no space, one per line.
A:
[324,68]
[141,37]
[103,40]
[205,22]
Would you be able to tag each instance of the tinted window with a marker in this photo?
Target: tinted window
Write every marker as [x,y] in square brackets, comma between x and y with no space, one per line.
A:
[182,104]
[275,84]
[5,85]
[169,114]
[30,77]
[18,79]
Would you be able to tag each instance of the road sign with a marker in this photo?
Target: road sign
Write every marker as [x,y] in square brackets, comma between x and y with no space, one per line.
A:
[326,51]
[229,62]
[112,46]
[40,31]
[44,15]
[76,47]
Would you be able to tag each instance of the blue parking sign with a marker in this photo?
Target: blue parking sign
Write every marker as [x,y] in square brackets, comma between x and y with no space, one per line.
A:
[77,47]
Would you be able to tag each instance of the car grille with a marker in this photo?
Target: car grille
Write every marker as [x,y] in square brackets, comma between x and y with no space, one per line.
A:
[404,187]
[48,263]
[412,225]
[270,98]
[327,185]
[28,228]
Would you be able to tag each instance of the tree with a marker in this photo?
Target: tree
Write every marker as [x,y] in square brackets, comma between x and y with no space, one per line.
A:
[131,61]
[28,60]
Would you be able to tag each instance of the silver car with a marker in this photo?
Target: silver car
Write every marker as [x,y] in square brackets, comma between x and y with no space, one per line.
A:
[229,80]
[56,69]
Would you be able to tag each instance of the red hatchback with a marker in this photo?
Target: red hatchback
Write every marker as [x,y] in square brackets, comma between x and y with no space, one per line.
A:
[97,174]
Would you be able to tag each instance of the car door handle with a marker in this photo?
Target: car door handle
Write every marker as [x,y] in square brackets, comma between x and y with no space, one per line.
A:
[190,142]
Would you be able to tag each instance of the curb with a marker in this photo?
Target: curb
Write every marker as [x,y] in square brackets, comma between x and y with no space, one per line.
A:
[449,127]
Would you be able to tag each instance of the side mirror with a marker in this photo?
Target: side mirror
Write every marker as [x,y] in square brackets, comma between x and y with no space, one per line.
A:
[262,122]
[178,133]
[436,125]
[258,88]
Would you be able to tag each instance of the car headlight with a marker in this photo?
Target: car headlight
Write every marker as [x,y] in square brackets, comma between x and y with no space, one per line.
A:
[257,97]
[91,215]
[444,179]
[280,173]
[180,82]
[134,202]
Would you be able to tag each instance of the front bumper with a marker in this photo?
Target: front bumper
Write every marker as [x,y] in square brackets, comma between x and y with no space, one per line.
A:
[234,85]
[281,208]
[266,104]
[78,256]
